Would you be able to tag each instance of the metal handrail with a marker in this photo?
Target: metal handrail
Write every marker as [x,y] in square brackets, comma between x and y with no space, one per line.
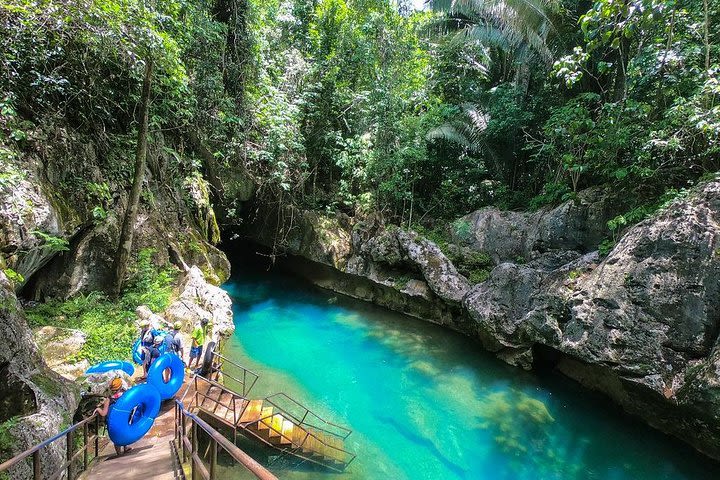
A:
[302,421]
[70,454]
[245,373]
[309,434]
[190,446]
[199,399]
[223,389]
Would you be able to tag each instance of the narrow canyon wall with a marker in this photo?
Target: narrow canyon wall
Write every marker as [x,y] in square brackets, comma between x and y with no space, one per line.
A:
[640,325]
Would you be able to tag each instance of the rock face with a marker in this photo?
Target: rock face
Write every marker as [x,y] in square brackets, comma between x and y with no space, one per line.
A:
[199,299]
[578,225]
[62,199]
[641,325]
[393,268]
[69,229]
[57,346]
[35,403]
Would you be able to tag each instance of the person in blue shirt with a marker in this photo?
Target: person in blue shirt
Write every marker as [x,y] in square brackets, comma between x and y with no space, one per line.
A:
[153,352]
[172,341]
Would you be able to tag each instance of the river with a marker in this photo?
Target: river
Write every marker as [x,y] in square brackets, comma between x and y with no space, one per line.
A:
[427,403]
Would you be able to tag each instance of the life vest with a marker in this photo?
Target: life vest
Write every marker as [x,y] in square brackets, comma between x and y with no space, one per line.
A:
[170,344]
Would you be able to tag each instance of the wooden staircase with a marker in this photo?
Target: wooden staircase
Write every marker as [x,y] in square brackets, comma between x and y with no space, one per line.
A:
[300,433]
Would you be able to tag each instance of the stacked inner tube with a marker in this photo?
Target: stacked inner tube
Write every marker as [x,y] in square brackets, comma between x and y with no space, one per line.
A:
[156,376]
[137,347]
[134,413]
[207,361]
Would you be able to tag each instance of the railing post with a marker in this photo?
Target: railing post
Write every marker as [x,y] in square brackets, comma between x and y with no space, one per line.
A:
[175,422]
[194,450]
[85,446]
[213,458]
[69,454]
[184,436]
[37,473]
[97,435]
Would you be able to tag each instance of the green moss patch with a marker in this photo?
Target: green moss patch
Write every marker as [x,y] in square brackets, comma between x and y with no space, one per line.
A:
[48,385]
[7,440]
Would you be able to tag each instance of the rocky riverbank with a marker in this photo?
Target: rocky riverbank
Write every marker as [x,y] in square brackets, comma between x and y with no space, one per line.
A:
[640,324]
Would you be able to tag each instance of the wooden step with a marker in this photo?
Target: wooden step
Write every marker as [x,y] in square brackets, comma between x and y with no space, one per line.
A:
[233,414]
[286,432]
[309,444]
[266,416]
[253,412]
[276,422]
[336,453]
[298,435]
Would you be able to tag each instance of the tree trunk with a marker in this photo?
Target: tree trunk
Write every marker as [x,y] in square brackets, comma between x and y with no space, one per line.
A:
[126,234]
[621,73]
[210,164]
[706,35]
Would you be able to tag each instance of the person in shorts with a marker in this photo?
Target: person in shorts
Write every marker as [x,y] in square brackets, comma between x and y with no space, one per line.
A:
[198,336]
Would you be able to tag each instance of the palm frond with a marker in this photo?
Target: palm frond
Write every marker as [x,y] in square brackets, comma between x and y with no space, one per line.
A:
[448,133]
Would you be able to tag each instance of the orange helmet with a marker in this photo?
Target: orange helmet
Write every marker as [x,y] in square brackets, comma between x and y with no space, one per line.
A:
[116,384]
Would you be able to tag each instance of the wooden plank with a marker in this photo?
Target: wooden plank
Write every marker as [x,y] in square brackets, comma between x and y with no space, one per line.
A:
[252,412]
[266,416]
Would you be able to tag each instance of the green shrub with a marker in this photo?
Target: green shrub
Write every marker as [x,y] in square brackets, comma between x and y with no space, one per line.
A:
[109,326]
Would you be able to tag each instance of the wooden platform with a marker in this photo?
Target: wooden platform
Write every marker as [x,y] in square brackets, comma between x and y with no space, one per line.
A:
[153,456]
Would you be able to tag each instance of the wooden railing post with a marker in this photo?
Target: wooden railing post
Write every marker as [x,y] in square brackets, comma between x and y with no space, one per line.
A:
[184,436]
[194,454]
[37,470]
[85,447]
[69,454]
[213,458]
[97,435]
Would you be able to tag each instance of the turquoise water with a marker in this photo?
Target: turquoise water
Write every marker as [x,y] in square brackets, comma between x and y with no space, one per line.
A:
[426,403]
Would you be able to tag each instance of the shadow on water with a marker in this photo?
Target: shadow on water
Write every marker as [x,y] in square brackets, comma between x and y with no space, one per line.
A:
[427,403]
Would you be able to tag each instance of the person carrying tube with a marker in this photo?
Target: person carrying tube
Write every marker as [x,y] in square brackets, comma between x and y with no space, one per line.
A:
[198,340]
[154,351]
[147,340]
[117,388]
[173,343]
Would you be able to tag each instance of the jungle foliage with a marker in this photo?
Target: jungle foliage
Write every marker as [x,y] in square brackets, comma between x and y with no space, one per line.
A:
[370,105]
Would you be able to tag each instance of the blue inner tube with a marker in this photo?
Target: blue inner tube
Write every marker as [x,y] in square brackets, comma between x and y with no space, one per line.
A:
[137,355]
[112,365]
[177,375]
[132,415]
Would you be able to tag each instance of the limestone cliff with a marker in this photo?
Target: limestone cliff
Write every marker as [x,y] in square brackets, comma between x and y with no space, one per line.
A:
[640,325]
[62,198]
[34,401]
[61,209]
